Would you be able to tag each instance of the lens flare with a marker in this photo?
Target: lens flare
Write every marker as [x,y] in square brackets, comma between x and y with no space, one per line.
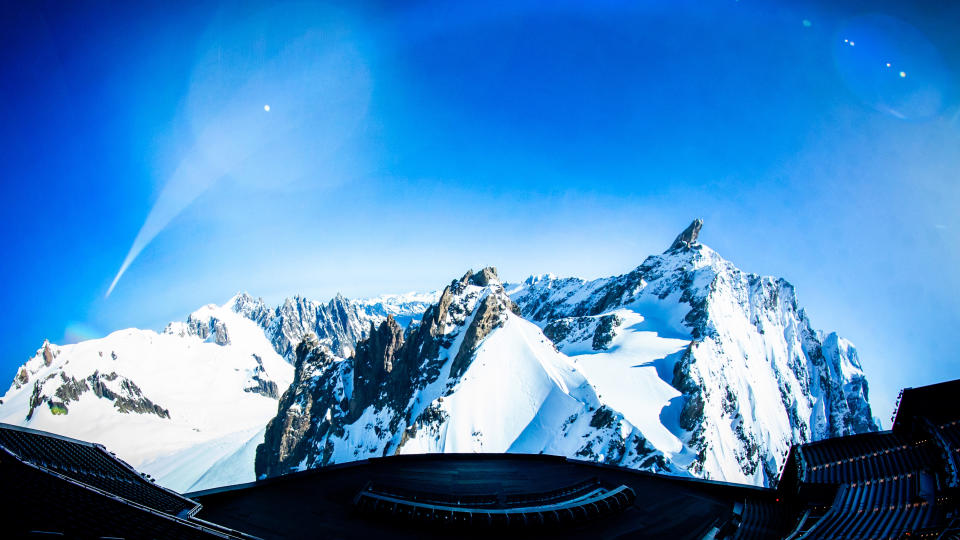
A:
[325,86]
[882,42]
[76,332]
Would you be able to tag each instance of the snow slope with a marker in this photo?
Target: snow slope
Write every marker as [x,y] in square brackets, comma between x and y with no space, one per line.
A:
[685,365]
[695,351]
[188,405]
[149,396]
[473,377]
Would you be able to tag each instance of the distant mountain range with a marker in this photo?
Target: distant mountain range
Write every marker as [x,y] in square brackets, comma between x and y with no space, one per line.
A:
[188,405]
[685,365]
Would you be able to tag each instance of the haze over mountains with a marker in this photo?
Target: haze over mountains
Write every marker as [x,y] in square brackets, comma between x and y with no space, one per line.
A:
[684,365]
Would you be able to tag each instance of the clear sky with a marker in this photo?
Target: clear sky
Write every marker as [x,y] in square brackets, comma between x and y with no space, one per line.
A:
[405,143]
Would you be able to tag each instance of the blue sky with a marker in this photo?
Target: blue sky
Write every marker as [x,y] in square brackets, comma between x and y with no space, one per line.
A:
[406,143]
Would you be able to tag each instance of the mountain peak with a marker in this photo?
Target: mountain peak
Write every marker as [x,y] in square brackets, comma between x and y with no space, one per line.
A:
[688,238]
[485,277]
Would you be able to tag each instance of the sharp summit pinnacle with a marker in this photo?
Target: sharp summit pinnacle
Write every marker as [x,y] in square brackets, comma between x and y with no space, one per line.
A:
[688,238]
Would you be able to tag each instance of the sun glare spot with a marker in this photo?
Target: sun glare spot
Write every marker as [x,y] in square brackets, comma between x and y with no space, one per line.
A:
[903,74]
[266,108]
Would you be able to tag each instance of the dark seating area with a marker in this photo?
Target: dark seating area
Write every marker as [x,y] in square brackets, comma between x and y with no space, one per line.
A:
[475,495]
[575,491]
[581,502]
[42,505]
[947,436]
[760,520]
[893,485]
[41,500]
[91,464]
[832,462]
[882,508]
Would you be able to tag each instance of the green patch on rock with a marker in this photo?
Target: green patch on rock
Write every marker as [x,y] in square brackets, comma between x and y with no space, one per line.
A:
[58,408]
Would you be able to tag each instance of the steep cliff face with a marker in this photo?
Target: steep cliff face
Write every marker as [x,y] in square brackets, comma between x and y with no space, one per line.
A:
[684,365]
[338,324]
[472,376]
[743,372]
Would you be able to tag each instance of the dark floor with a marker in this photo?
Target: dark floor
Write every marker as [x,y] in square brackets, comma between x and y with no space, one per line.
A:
[319,503]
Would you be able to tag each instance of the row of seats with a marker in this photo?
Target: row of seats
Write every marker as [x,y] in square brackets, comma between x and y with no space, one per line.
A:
[839,449]
[59,454]
[487,500]
[951,435]
[879,508]
[578,510]
[39,504]
[474,501]
[887,462]
[951,431]
[947,436]
[567,493]
[761,519]
[92,465]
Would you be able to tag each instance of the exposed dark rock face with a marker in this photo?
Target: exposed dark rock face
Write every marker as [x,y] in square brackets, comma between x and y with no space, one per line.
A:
[304,413]
[387,370]
[262,384]
[336,324]
[688,238]
[132,400]
[490,315]
[339,324]
[71,388]
[220,336]
[809,374]
[485,277]
[374,362]
[99,388]
[126,397]
[205,328]
[48,353]
[253,309]
[22,377]
[606,329]
[263,387]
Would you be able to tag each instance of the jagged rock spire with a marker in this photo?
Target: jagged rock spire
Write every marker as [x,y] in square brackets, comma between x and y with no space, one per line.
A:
[688,238]
[485,277]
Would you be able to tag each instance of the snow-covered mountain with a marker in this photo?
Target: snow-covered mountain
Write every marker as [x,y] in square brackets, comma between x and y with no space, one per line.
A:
[473,376]
[199,390]
[338,324]
[727,360]
[686,365]
[187,405]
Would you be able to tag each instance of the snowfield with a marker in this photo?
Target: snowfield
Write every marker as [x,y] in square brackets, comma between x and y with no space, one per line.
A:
[199,382]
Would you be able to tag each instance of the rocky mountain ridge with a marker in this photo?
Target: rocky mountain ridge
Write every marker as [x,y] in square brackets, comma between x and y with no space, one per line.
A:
[684,365]
[754,377]
[189,404]
[450,384]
